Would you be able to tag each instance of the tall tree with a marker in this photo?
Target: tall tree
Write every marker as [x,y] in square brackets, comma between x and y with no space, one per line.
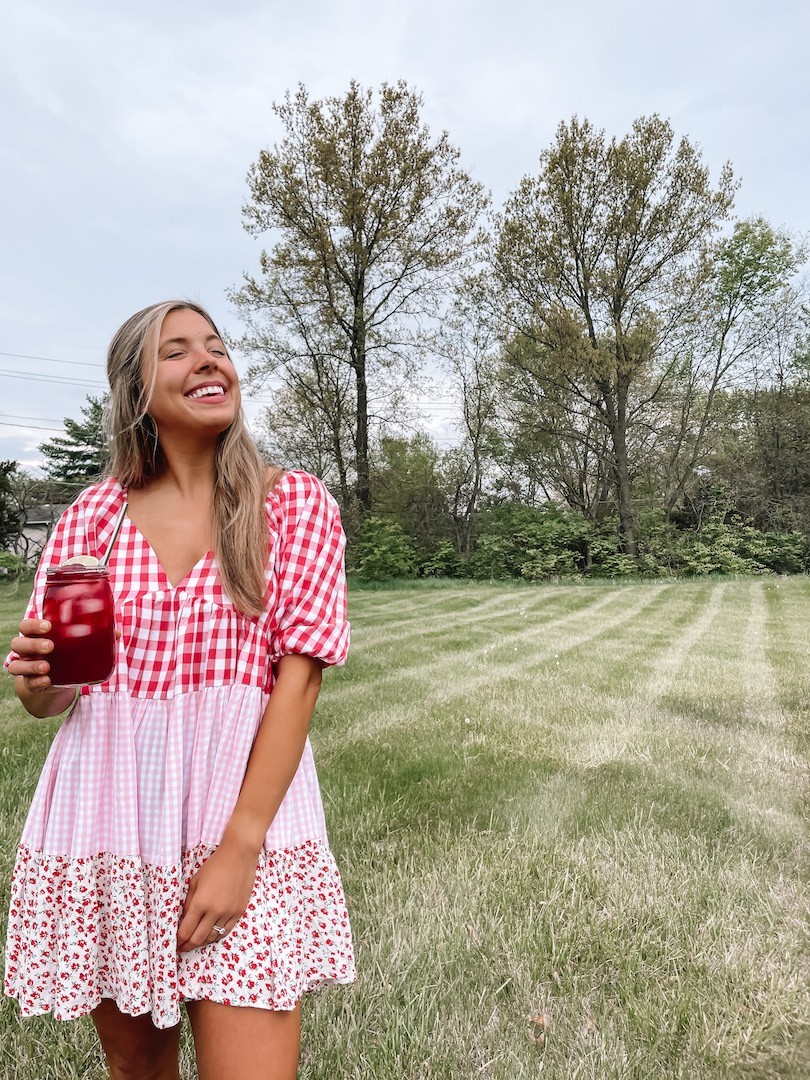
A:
[604,258]
[746,336]
[408,482]
[81,454]
[371,214]
[468,347]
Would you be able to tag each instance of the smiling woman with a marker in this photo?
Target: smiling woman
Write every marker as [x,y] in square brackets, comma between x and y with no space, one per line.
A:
[192,366]
[177,829]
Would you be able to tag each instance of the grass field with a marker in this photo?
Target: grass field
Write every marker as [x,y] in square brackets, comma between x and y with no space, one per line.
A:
[573,831]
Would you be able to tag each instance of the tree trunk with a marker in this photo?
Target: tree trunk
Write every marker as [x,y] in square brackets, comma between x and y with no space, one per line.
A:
[617,419]
[357,352]
[337,450]
[361,456]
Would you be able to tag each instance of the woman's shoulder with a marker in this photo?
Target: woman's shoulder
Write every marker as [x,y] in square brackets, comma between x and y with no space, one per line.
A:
[296,485]
[96,499]
[89,518]
[102,491]
[99,501]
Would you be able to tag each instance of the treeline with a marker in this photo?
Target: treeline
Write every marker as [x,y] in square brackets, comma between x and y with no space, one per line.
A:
[627,365]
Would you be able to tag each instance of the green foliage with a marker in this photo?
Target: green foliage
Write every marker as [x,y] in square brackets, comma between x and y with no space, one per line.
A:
[753,263]
[785,553]
[723,547]
[445,561]
[535,544]
[715,549]
[12,565]
[550,542]
[761,458]
[81,455]
[408,488]
[9,518]
[382,550]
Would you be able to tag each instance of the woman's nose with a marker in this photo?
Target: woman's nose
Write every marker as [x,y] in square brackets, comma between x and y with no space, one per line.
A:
[204,360]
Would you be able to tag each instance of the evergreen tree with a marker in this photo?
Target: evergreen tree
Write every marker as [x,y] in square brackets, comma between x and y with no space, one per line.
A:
[81,454]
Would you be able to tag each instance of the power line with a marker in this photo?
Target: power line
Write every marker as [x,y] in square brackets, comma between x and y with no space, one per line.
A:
[52,360]
[51,379]
[18,416]
[29,427]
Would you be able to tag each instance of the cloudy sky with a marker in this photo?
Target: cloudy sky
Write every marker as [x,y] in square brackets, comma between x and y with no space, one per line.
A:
[128,130]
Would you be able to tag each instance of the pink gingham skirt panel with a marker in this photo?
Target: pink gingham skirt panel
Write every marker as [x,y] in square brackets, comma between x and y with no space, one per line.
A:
[150,779]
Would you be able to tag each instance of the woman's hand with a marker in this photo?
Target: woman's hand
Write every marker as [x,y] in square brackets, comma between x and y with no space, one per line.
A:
[32,679]
[217,895]
[33,647]
[33,683]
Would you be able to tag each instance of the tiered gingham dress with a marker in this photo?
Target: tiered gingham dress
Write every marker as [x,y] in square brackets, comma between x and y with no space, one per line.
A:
[145,771]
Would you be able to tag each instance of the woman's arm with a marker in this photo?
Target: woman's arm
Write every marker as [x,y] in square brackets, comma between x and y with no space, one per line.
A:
[276,752]
[220,890]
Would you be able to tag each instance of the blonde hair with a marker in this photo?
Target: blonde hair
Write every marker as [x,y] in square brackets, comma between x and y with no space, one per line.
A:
[241,479]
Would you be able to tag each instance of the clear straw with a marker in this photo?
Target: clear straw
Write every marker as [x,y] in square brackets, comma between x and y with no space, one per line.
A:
[105,557]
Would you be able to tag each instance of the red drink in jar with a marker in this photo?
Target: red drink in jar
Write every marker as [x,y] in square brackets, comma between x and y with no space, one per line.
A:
[79,605]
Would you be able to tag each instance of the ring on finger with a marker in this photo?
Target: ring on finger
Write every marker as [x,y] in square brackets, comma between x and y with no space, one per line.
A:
[219,930]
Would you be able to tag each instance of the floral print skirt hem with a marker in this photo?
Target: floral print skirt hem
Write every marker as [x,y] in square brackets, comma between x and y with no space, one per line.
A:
[105,926]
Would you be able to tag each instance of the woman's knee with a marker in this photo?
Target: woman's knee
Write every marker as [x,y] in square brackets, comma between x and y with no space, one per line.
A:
[134,1048]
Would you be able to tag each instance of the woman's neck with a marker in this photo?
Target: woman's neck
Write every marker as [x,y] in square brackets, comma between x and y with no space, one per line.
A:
[187,469]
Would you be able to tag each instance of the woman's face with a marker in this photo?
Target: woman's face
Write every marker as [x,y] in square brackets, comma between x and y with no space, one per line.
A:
[196,388]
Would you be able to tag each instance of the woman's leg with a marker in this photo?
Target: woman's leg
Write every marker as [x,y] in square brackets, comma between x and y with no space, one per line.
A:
[135,1049]
[237,1043]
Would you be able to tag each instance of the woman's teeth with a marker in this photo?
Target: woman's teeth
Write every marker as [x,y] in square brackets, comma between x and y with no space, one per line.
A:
[206,391]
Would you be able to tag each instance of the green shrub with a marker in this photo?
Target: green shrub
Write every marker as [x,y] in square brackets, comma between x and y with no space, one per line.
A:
[445,561]
[12,565]
[614,565]
[382,550]
[533,543]
[493,559]
[783,553]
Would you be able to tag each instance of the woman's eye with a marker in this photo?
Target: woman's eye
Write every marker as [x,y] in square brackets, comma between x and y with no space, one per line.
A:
[172,355]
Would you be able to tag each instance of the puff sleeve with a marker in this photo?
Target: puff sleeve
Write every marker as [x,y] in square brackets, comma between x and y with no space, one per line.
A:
[309,587]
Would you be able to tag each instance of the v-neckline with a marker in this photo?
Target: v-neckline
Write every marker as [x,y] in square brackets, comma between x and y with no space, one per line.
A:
[159,564]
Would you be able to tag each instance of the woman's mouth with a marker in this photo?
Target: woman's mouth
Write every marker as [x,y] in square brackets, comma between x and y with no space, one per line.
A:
[208,392]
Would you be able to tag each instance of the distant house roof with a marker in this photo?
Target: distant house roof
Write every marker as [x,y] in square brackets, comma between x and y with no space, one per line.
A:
[47,514]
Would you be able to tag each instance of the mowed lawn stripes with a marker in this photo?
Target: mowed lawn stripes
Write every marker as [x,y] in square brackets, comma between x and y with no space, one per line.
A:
[572,827]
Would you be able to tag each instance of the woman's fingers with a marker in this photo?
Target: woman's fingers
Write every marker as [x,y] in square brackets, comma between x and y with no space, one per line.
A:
[32,649]
[207,932]
[33,672]
[197,928]
[34,627]
[31,641]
